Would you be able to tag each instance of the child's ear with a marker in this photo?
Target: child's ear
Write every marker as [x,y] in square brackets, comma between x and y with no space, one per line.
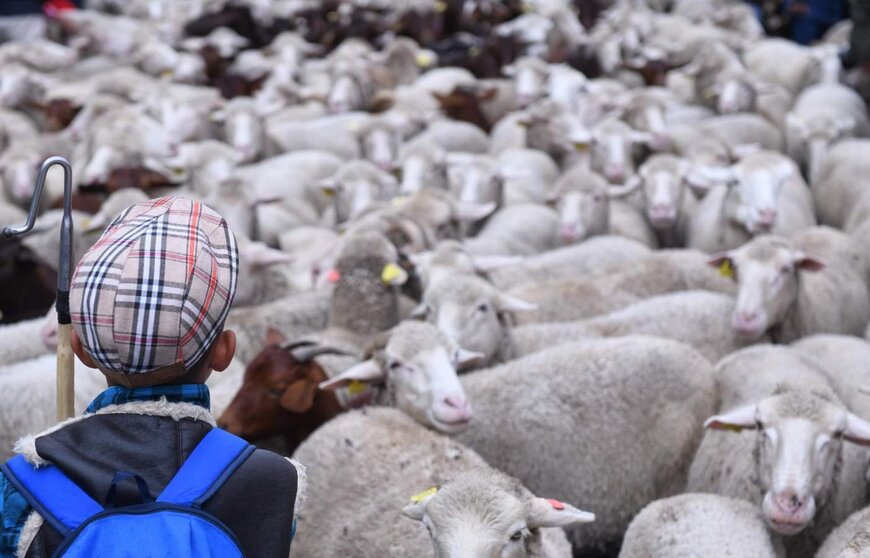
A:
[79,350]
[224,351]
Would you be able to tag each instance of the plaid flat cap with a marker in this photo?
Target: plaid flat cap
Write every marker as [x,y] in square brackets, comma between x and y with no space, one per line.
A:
[150,297]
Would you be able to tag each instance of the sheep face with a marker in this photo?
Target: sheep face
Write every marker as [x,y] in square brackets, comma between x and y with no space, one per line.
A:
[798,450]
[766,270]
[612,150]
[420,171]
[754,190]
[583,212]
[470,312]
[243,130]
[182,121]
[16,86]
[381,146]
[529,76]
[487,515]
[418,366]
[734,95]
[662,181]
[474,179]
[345,95]
[19,176]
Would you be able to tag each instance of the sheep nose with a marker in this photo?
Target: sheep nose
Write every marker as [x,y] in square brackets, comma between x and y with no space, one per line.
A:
[459,405]
[616,174]
[788,501]
[455,402]
[747,316]
[767,216]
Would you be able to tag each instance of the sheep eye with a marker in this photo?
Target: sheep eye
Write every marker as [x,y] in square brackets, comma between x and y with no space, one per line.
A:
[395,365]
[516,537]
[785,269]
[276,392]
[483,308]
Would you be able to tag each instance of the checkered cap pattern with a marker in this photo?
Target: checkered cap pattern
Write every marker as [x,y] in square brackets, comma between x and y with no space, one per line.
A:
[156,288]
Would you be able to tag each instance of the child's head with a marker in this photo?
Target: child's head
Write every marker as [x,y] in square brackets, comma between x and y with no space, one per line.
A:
[149,299]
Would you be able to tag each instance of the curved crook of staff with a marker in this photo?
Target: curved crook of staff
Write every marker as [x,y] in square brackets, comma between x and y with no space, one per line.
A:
[65,362]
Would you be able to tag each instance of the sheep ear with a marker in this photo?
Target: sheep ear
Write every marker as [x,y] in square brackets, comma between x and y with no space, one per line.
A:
[260,255]
[553,513]
[420,312]
[857,430]
[806,262]
[367,371]
[466,211]
[489,263]
[507,303]
[417,508]
[735,420]
[718,259]
[468,358]
[393,275]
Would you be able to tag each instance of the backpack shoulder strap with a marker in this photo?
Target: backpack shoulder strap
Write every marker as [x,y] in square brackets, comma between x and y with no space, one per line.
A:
[206,469]
[51,493]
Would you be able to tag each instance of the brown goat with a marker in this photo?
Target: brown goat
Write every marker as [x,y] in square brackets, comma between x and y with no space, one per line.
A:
[280,394]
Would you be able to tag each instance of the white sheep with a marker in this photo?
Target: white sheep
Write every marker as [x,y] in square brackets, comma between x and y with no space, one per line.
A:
[813,283]
[699,525]
[760,194]
[582,200]
[822,115]
[26,340]
[850,540]
[797,466]
[669,204]
[841,200]
[583,297]
[474,507]
[34,382]
[596,255]
[697,318]
[517,230]
[552,419]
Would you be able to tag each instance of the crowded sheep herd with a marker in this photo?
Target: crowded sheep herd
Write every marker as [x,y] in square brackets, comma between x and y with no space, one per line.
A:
[517,279]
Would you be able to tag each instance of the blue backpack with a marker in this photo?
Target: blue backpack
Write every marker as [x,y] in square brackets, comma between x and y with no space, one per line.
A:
[173,525]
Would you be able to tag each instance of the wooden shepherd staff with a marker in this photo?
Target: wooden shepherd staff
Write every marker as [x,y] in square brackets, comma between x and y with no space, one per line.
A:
[65,364]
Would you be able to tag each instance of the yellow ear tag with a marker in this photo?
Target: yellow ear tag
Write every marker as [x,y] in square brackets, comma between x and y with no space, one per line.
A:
[424,59]
[440,7]
[390,273]
[399,201]
[355,387]
[167,73]
[332,17]
[725,269]
[417,498]
[328,192]
[732,428]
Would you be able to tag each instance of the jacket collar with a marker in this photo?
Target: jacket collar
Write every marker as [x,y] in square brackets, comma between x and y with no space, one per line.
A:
[26,445]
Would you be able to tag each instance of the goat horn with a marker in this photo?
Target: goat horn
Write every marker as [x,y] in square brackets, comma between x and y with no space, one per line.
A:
[305,354]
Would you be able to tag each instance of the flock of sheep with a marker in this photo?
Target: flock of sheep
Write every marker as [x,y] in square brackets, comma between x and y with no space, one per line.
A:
[481,288]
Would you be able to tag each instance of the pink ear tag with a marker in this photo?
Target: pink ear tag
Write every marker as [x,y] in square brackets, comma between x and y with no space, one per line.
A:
[557,505]
[333,276]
